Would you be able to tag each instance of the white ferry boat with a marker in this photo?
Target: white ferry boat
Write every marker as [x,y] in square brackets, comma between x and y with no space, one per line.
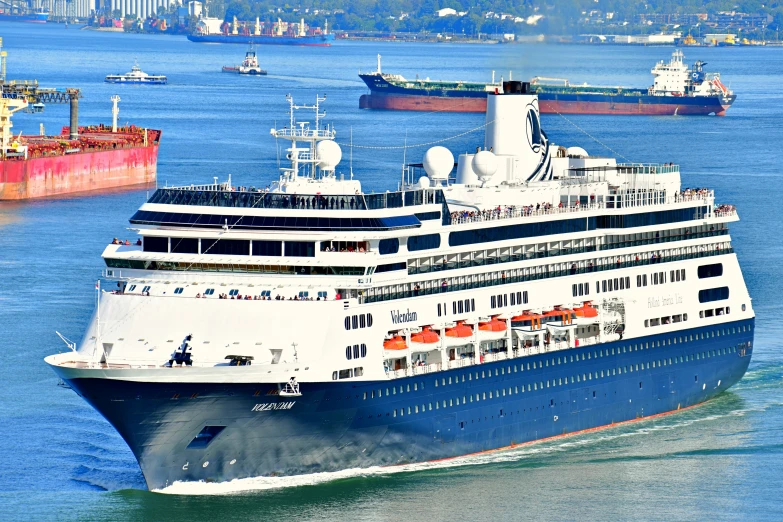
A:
[137,76]
[537,291]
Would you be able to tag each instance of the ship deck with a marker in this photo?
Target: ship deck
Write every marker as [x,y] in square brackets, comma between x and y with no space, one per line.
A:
[91,139]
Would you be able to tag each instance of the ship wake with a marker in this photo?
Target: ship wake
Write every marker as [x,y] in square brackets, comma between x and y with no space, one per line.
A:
[531,453]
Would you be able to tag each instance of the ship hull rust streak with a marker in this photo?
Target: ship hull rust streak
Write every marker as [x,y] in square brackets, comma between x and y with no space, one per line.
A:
[473,104]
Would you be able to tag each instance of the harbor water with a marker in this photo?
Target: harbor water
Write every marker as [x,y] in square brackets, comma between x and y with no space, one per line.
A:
[60,460]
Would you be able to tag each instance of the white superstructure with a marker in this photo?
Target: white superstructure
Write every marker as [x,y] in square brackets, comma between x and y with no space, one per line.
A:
[525,247]
[675,78]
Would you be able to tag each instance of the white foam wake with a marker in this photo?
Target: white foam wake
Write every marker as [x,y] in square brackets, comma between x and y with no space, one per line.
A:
[535,449]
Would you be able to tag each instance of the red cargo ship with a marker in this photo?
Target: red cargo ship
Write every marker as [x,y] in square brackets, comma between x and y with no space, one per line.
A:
[40,166]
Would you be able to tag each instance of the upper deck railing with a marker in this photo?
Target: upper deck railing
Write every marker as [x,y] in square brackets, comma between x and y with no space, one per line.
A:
[621,199]
[208,196]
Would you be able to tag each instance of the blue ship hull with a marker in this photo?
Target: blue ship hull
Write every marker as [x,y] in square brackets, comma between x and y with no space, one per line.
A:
[321,40]
[34,18]
[248,430]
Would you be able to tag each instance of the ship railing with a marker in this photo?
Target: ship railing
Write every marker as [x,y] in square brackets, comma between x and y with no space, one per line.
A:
[251,197]
[526,351]
[379,294]
[620,199]
[646,168]
[725,211]
[510,212]
[304,133]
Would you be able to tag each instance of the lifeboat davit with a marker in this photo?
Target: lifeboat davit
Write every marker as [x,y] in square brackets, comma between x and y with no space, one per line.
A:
[527,321]
[426,336]
[559,316]
[395,343]
[493,329]
[459,334]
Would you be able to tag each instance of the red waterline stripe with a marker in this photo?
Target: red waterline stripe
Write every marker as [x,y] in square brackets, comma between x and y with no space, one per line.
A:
[554,437]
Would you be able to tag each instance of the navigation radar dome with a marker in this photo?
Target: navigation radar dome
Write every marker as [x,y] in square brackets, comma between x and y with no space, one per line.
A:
[485,164]
[424,182]
[577,152]
[329,154]
[438,163]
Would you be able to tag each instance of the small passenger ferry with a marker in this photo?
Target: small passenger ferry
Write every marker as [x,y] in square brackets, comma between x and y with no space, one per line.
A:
[534,291]
[137,76]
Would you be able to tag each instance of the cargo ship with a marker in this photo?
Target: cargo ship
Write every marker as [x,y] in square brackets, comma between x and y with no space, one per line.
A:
[38,16]
[215,30]
[676,90]
[79,159]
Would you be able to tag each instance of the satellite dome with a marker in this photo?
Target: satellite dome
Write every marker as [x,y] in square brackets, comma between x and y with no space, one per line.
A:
[484,164]
[577,152]
[329,154]
[424,182]
[438,163]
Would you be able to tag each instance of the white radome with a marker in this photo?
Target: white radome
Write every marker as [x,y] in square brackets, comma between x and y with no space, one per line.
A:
[424,182]
[578,152]
[484,164]
[329,154]
[438,162]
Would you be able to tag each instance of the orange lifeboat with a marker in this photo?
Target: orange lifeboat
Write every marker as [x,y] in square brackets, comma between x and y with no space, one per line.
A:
[493,329]
[493,325]
[459,334]
[395,343]
[586,313]
[426,336]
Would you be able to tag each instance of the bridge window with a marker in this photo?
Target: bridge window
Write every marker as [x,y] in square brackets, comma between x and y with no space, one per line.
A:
[267,248]
[226,247]
[184,245]
[300,248]
[156,244]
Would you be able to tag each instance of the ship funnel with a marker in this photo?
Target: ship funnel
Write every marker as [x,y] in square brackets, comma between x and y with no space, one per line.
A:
[513,128]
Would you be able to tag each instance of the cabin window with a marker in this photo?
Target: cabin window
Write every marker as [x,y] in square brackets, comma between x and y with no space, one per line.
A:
[713,270]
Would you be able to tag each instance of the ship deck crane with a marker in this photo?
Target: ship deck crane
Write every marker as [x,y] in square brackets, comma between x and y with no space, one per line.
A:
[16,95]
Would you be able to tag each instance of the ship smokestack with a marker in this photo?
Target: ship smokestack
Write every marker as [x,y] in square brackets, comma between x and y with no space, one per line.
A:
[513,129]
[74,99]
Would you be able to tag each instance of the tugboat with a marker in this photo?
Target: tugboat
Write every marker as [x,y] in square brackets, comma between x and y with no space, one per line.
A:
[137,76]
[249,65]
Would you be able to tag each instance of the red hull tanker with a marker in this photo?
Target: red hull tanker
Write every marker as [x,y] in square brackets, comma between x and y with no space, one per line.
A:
[99,159]
[437,104]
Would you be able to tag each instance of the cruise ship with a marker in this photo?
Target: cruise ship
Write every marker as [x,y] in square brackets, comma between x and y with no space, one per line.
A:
[524,292]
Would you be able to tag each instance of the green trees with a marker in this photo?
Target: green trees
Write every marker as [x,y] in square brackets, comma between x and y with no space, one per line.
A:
[481,16]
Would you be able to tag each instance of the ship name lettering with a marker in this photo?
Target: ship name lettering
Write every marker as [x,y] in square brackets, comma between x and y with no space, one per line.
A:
[655,302]
[267,406]
[403,317]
